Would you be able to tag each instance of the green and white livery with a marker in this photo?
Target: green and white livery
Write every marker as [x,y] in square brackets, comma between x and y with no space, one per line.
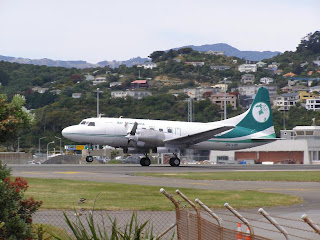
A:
[249,129]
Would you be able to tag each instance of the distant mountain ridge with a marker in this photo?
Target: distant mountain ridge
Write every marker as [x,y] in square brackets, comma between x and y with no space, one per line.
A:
[231,51]
[227,49]
[76,64]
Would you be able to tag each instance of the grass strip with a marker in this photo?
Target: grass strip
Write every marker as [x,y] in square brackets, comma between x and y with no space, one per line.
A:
[288,176]
[64,194]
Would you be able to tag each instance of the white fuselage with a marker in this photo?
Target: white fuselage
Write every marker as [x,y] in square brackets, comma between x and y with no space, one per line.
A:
[113,132]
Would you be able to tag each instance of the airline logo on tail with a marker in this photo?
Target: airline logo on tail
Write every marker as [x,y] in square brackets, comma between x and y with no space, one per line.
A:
[261,112]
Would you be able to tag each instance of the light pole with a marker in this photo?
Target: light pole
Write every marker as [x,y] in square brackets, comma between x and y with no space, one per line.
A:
[60,142]
[225,100]
[18,144]
[48,148]
[98,111]
[39,143]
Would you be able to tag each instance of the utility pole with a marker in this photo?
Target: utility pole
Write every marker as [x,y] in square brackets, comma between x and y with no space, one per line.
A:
[190,110]
[225,100]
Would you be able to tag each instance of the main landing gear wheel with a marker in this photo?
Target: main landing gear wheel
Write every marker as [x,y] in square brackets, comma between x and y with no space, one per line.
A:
[174,162]
[89,158]
[145,161]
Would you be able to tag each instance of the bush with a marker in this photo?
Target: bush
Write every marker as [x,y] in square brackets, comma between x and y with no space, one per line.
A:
[15,210]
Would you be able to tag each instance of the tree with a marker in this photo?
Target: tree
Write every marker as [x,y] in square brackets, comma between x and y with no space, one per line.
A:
[310,42]
[15,210]
[13,117]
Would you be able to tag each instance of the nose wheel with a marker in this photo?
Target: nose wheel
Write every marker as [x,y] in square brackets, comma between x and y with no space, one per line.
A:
[89,159]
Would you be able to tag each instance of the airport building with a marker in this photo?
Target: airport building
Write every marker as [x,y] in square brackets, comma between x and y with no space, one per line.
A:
[301,145]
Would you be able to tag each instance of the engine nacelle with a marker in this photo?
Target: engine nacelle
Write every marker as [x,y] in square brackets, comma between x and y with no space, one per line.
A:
[150,137]
[167,150]
[136,150]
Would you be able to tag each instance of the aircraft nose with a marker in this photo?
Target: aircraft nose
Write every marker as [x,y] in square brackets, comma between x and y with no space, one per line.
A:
[66,131]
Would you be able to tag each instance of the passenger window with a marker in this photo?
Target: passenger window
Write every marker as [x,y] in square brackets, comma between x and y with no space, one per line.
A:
[83,122]
[151,128]
[160,130]
[91,124]
[169,130]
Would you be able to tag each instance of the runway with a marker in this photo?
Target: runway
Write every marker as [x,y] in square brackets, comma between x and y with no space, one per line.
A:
[124,173]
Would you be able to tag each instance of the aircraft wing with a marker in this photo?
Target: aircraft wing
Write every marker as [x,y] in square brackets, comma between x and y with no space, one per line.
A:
[197,137]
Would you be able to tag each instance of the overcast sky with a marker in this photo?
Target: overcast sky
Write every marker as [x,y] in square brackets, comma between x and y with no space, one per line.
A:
[97,30]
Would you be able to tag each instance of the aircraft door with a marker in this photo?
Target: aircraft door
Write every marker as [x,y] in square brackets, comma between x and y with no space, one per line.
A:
[178,131]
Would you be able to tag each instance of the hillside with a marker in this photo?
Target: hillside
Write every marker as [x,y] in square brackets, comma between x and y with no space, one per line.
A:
[233,52]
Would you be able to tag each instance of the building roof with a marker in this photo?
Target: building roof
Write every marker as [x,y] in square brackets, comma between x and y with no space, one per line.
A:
[289,74]
[140,81]
[293,94]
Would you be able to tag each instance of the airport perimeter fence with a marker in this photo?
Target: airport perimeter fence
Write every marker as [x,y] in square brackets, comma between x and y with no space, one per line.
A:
[193,221]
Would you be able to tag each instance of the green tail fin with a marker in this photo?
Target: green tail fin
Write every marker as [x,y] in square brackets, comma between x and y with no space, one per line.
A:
[259,117]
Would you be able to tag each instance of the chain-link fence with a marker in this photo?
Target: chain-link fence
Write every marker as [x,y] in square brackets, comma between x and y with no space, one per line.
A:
[191,221]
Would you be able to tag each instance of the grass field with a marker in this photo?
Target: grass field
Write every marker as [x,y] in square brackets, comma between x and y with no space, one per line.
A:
[64,194]
[291,176]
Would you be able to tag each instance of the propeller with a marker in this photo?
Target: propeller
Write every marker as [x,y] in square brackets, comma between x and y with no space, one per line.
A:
[131,135]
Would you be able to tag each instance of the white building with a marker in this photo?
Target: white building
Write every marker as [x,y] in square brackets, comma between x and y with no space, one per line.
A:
[247,68]
[130,93]
[148,65]
[99,80]
[313,104]
[39,89]
[76,95]
[200,92]
[249,90]
[266,80]
[286,101]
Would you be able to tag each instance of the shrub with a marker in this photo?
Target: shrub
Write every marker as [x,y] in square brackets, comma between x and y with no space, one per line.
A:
[15,210]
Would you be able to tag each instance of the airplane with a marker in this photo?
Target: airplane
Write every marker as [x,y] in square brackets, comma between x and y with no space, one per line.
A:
[249,129]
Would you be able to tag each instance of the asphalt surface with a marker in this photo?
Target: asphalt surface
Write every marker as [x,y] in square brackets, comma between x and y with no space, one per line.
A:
[308,191]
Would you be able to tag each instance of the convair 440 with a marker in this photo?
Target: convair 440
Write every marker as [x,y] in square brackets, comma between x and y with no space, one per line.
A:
[249,129]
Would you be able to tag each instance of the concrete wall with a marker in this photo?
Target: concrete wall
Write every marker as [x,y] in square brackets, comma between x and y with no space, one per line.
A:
[15,157]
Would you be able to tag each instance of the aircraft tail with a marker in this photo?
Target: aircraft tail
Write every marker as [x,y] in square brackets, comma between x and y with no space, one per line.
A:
[256,121]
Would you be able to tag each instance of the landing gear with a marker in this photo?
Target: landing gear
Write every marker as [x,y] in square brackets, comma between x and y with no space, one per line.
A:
[174,161]
[145,161]
[89,158]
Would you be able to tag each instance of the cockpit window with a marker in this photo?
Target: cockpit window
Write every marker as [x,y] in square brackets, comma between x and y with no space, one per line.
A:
[83,122]
[91,124]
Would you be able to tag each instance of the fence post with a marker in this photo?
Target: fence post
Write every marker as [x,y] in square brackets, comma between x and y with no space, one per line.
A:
[212,214]
[238,215]
[176,206]
[195,208]
[311,223]
[274,222]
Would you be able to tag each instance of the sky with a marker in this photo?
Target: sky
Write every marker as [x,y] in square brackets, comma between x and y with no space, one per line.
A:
[98,30]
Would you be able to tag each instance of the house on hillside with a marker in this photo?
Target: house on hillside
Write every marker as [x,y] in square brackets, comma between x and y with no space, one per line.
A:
[286,101]
[313,104]
[220,67]
[266,80]
[140,84]
[219,98]
[136,94]
[247,78]
[39,89]
[247,68]
[195,64]
[148,65]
